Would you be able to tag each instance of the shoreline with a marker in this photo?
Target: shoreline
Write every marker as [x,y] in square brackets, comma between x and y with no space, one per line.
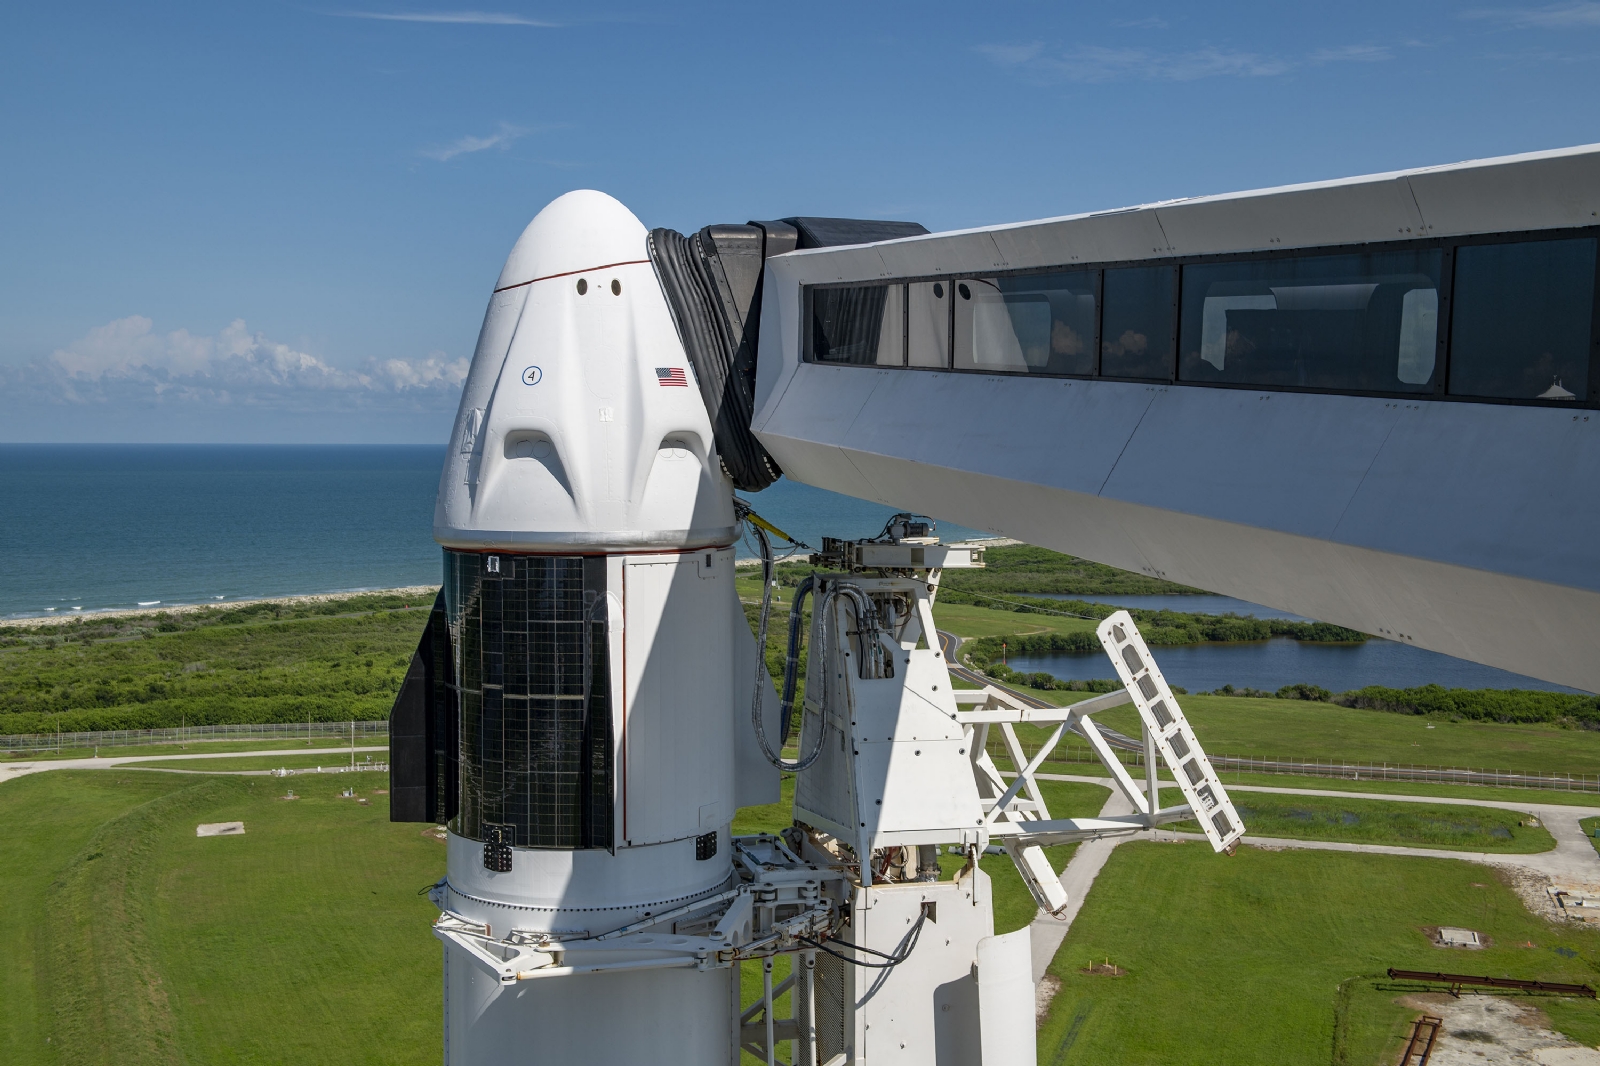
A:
[191,608]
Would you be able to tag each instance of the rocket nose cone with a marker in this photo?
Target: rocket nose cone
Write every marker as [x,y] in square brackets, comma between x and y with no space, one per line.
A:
[581,230]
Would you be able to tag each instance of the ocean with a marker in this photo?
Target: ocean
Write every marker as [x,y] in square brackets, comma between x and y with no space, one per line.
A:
[94,527]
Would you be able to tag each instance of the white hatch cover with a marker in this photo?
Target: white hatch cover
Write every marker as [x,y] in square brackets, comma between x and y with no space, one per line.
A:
[1174,737]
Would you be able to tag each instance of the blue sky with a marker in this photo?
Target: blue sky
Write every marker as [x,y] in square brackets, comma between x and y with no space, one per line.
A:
[281,222]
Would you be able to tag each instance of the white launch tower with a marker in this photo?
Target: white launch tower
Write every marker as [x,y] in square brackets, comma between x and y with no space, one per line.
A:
[580,715]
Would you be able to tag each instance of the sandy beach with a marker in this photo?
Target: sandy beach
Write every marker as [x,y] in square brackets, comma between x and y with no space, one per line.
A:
[424,593]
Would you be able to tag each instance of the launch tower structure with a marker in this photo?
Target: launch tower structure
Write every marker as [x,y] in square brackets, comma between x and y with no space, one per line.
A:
[588,708]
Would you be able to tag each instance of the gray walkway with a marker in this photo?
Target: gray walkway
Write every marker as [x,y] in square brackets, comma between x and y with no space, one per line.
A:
[11,770]
[1572,859]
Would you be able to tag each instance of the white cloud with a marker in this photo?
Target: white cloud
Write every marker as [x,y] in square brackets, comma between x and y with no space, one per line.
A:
[1010,55]
[502,140]
[128,362]
[1097,63]
[454,18]
[1352,53]
[1552,16]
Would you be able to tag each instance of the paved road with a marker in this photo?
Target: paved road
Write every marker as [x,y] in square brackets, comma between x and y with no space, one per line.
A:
[1572,859]
[9,771]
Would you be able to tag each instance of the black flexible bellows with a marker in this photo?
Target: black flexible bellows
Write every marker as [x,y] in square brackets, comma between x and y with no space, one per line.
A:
[712,282]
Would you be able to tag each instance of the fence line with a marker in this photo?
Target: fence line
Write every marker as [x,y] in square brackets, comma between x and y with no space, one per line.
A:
[1339,768]
[194,734]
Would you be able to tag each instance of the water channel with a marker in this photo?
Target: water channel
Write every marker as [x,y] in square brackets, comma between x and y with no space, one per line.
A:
[1271,664]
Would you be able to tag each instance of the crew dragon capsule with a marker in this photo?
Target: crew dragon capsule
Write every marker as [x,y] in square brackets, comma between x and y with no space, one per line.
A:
[577,690]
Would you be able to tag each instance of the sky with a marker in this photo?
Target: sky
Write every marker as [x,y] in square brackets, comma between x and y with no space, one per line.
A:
[280,222]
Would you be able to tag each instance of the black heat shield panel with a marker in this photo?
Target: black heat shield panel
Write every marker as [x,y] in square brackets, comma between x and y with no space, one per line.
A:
[422,731]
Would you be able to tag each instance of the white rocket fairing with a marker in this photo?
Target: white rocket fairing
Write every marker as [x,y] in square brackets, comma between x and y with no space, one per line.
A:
[601,658]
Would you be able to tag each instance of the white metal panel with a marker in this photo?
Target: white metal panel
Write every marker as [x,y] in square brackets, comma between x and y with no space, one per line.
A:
[1538,190]
[1005,998]
[578,390]
[1464,528]
[1543,190]
[1351,213]
[678,753]
[1094,238]
[579,230]
[924,1011]
[685,1010]
[1165,721]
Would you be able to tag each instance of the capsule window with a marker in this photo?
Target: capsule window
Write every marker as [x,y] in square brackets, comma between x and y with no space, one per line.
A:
[1163,716]
[583,286]
[1130,655]
[616,287]
[1192,770]
[1180,747]
[1220,820]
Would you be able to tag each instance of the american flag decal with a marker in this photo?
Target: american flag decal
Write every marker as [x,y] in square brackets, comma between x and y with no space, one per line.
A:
[671,375]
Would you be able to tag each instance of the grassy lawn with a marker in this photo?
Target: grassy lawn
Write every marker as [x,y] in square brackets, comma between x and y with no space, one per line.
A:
[1361,821]
[1298,729]
[234,667]
[132,941]
[971,621]
[1278,957]
[1590,827]
[1418,788]
[268,762]
[195,747]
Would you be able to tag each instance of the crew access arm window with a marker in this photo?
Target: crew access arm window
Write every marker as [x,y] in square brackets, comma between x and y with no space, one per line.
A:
[1486,318]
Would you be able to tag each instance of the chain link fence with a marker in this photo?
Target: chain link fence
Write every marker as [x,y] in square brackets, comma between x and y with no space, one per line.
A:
[31,743]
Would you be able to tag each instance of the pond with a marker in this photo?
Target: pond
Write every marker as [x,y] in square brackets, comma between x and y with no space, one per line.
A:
[1271,664]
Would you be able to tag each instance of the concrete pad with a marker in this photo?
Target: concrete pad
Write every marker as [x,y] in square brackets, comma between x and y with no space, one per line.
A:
[219,829]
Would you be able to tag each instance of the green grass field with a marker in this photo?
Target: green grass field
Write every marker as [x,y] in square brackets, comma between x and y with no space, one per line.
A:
[1362,821]
[1419,788]
[135,942]
[304,940]
[235,666]
[132,941]
[1278,957]
[1298,729]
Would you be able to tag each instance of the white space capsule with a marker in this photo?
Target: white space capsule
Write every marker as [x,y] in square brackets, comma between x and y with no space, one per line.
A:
[597,651]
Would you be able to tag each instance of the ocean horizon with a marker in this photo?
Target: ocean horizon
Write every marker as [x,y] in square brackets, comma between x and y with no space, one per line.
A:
[99,527]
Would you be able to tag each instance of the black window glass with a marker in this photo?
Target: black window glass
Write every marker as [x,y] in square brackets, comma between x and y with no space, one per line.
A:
[1037,324]
[928,324]
[1521,318]
[1136,337]
[1365,322]
[848,325]
[529,633]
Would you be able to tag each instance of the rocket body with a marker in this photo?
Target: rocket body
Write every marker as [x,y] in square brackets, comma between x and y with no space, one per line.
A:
[601,658]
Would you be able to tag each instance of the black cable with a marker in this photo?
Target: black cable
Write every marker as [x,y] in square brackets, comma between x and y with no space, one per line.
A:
[909,944]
